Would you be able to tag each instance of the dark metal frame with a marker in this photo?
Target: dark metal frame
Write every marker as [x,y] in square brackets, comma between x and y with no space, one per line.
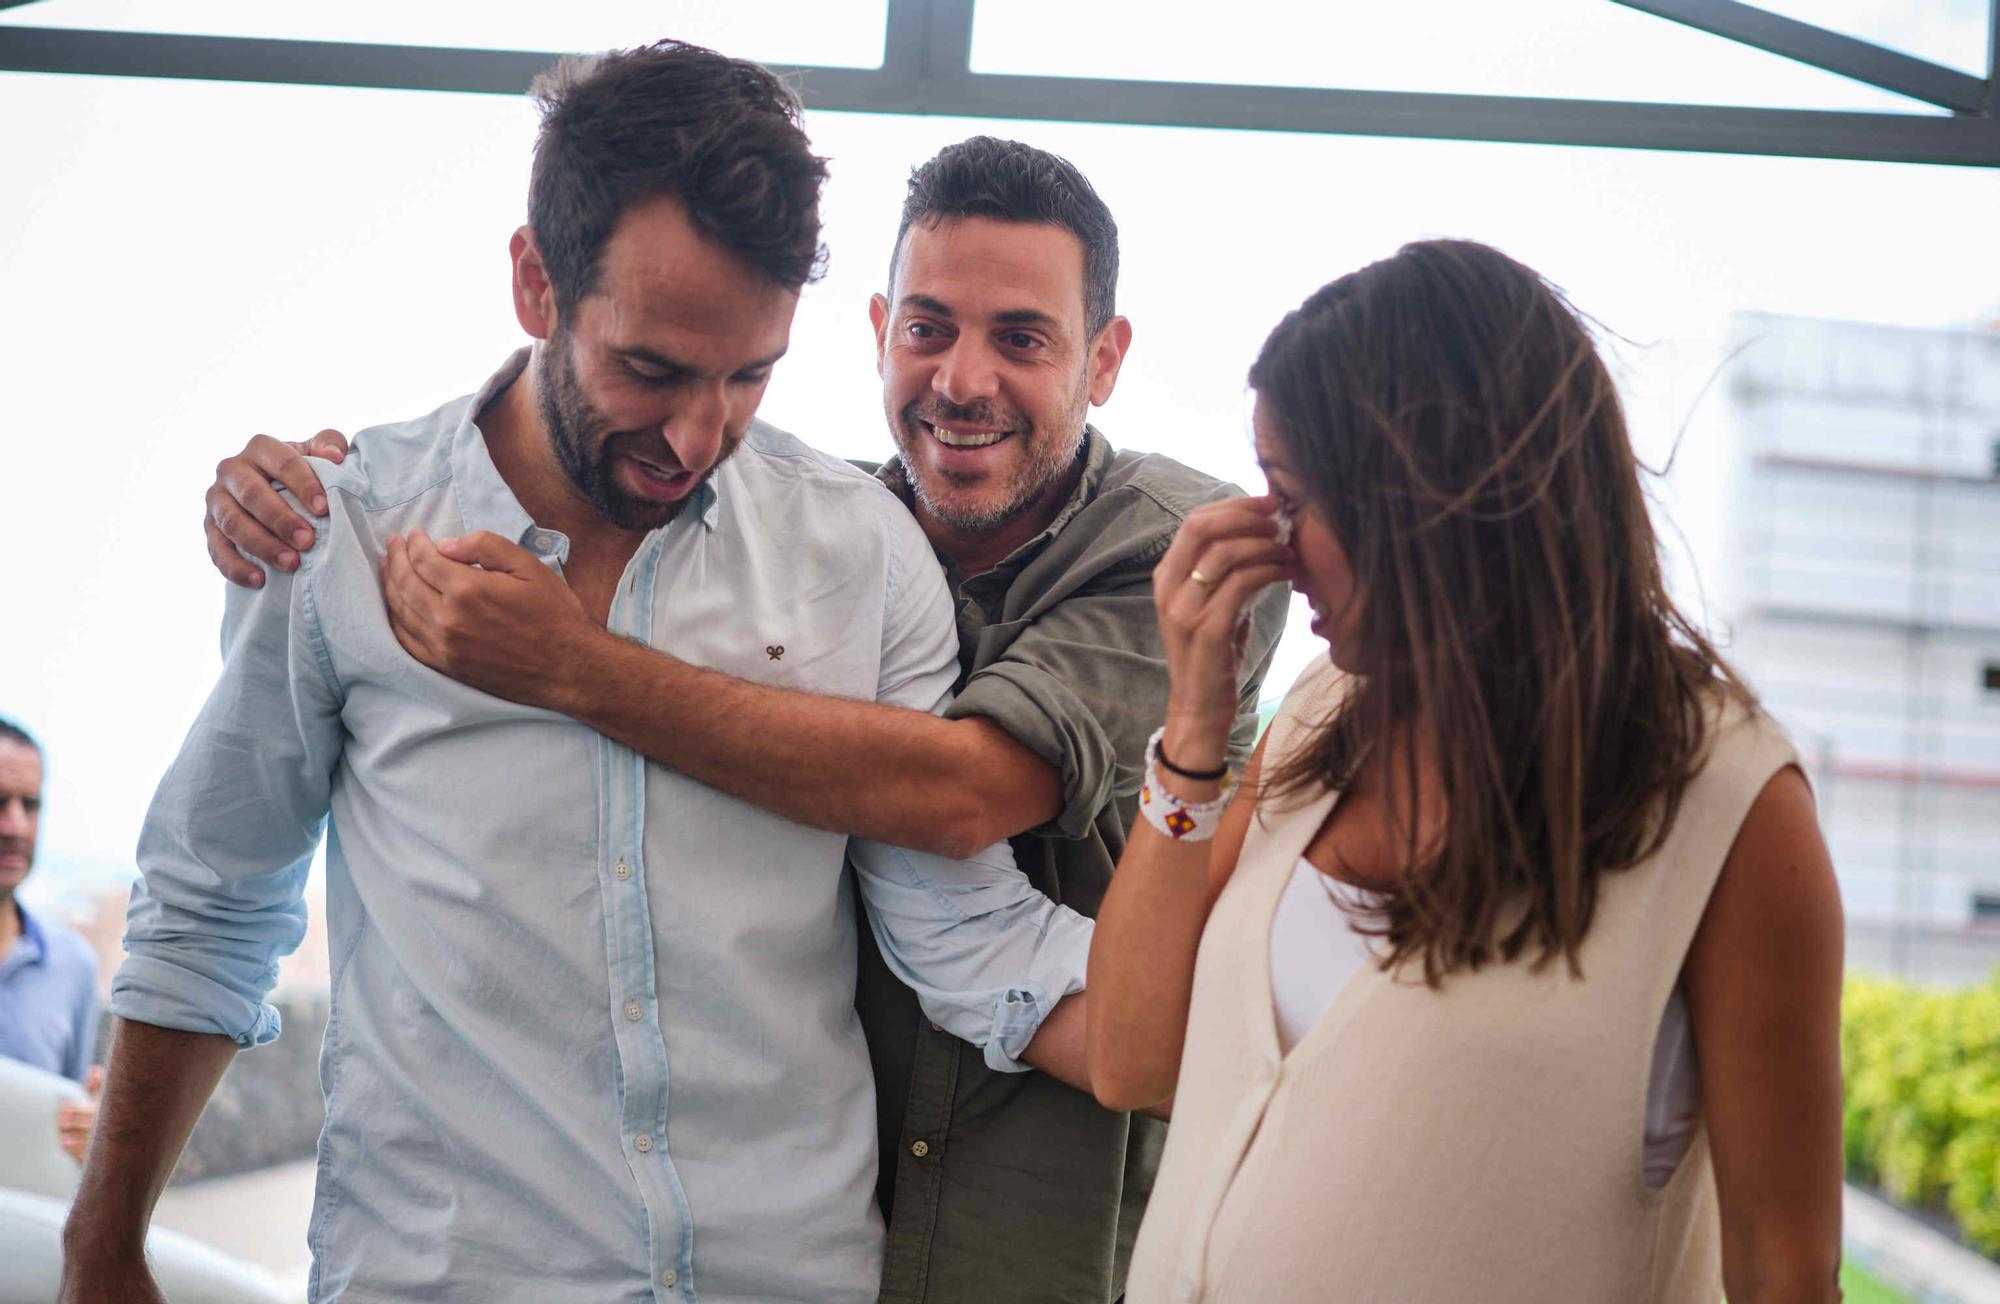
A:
[926,69]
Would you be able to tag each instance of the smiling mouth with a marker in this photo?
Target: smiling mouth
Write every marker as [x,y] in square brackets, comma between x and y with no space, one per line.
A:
[965,438]
[655,469]
[661,484]
[663,477]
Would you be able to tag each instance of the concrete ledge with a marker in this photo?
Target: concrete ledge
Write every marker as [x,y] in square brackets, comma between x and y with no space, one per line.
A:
[1914,1257]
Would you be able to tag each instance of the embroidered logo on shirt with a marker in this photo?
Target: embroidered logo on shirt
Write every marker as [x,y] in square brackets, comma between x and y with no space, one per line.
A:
[775,651]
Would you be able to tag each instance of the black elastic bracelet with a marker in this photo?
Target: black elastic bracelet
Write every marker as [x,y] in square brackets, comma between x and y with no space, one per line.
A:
[1206,776]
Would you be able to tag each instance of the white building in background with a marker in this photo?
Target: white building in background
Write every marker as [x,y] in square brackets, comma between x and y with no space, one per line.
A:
[1865,586]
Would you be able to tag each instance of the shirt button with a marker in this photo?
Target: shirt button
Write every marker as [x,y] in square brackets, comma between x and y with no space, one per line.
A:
[920,1148]
[937,1027]
[669,1277]
[643,1143]
[632,1011]
[1184,1288]
[622,872]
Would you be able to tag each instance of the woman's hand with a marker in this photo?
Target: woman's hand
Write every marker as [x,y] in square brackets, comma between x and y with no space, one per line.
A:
[1224,555]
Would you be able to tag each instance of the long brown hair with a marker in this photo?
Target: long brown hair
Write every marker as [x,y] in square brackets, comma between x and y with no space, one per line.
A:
[1456,427]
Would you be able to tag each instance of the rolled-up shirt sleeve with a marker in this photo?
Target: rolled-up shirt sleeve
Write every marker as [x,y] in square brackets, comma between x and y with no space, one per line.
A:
[231,832]
[1081,687]
[986,953]
[1086,683]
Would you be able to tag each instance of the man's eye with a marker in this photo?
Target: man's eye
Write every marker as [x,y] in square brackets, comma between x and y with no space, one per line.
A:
[753,377]
[647,376]
[1020,340]
[922,330]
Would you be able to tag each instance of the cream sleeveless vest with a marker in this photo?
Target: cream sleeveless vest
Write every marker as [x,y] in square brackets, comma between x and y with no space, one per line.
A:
[1478,1142]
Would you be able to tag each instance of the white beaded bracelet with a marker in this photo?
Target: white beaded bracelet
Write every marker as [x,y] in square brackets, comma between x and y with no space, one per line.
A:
[1183,821]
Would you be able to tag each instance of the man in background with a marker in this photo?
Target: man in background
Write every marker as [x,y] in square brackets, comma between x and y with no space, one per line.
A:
[48,976]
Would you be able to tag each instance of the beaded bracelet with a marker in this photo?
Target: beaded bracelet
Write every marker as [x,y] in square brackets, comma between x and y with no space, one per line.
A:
[1183,821]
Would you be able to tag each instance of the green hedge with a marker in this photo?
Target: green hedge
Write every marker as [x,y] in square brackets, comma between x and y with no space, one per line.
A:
[1923,1098]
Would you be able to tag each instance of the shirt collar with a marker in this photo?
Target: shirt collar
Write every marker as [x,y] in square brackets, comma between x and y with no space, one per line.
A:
[1096,456]
[707,497]
[483,496]
[33,946]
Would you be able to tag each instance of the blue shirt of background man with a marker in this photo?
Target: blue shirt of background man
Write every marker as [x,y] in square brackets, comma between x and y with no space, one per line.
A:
[48,999]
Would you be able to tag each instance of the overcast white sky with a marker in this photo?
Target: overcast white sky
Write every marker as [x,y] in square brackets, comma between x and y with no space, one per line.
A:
[189,263]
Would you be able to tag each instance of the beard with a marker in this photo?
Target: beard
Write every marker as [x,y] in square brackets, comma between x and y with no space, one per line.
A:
[583,439]
[1048,456]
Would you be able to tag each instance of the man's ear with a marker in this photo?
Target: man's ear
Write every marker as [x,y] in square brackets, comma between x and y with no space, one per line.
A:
[1107,354]
[534,296]
[878,313]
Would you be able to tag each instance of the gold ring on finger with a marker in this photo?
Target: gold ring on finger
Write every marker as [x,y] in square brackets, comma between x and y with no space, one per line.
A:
[1201,579]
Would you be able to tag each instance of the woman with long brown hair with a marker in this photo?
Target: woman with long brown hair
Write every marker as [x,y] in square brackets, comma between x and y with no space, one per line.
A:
[1510,969]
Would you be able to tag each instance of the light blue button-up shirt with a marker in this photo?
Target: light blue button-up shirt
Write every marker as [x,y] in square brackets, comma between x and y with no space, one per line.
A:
[593,1034]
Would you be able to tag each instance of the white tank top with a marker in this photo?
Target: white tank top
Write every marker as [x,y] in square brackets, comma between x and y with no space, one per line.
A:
[1307,973]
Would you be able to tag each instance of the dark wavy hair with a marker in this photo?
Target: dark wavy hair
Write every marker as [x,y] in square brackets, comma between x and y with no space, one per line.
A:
[722,135]
[1457,429]
[986,176]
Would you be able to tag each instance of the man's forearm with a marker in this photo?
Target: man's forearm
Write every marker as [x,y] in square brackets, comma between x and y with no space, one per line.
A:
[899,776]
[1059,1048]
[158,1081]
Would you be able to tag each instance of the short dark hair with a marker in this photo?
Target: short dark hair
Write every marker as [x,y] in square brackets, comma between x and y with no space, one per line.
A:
[1005,179]
[11,732]
[722,135]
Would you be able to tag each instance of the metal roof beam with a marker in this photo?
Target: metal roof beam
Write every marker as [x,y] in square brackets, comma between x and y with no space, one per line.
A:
[1817,47]
[258,59]
[1992,106]
[1809,133]
[924,73]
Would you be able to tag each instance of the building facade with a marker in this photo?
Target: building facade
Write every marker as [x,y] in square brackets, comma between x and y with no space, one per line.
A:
[1864,582]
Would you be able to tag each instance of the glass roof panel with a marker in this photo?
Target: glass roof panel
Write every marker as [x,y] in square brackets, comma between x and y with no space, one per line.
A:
[1950,32]
[831,33]
[1585,49]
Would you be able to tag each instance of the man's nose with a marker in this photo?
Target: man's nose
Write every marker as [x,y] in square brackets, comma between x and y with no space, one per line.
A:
[697,429]
[14,821]
[968,372]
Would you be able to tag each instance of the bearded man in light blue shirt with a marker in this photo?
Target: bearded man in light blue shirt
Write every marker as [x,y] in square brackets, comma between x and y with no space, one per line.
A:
[593,1033]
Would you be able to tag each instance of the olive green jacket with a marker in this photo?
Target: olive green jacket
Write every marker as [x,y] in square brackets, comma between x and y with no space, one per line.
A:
[1005,1187]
